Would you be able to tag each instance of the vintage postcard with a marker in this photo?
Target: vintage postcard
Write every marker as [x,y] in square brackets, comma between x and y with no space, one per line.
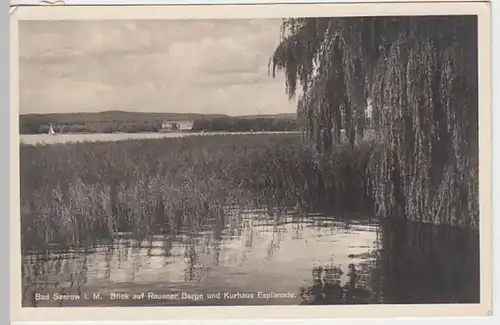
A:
[243,161]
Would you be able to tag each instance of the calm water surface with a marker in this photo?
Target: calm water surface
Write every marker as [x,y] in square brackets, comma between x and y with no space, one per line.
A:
[93,137]
[318,259]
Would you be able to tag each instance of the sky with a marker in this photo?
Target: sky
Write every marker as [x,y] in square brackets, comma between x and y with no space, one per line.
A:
[195,66]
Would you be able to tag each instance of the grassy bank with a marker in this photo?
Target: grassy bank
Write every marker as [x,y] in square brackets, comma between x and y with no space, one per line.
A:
[74,193]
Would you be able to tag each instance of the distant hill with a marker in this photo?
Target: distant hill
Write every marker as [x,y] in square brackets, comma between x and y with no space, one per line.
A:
[108,116]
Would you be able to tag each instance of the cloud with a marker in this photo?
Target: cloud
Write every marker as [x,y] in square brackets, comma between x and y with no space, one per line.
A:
[213,66]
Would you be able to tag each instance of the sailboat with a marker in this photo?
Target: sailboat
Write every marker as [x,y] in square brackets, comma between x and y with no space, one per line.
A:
[51,130]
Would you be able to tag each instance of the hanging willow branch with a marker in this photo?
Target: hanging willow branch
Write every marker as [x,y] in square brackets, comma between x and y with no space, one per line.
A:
[419,75]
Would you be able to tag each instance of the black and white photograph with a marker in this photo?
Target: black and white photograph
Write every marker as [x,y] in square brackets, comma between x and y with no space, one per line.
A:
[280,161]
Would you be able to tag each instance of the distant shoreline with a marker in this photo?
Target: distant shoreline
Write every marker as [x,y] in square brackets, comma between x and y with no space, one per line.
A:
[176,132]
[65,138]
[128,122]
[166,115]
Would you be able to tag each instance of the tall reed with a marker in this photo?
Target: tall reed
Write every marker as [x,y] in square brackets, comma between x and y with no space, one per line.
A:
[73,194]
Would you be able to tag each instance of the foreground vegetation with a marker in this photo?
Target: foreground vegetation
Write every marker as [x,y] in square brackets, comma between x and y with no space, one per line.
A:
[72,194]
[424,168]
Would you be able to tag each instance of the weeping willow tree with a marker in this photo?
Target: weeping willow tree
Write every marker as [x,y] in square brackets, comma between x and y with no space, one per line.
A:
[418,77]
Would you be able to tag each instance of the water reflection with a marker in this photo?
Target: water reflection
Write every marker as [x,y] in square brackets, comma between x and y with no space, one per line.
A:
[320,259]
[327,288]
[428,264]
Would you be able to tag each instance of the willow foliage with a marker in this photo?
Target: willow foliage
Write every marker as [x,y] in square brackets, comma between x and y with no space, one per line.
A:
[419,75]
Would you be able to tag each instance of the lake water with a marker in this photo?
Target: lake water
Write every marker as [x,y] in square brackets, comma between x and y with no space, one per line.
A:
[317,259]
[93,137]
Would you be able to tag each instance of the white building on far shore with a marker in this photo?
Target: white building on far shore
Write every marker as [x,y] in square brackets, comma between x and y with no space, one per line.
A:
[176,126]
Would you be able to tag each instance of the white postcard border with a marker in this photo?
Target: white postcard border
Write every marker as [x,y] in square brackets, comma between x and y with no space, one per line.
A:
[184,2]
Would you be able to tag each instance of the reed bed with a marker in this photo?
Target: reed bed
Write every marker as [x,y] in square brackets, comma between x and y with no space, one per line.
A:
[75,194]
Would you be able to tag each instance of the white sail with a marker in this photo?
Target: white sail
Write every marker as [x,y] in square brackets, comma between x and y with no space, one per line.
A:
[51,130]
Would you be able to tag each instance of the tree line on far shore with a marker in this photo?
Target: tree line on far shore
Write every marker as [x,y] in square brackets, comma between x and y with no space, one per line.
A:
[244,124]
[218,124]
